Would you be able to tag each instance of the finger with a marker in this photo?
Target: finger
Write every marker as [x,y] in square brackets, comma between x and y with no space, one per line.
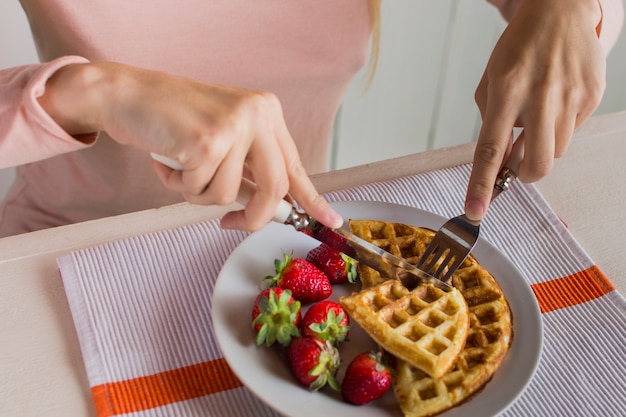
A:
[222,187]
[170,178]
[539,132]
[493,141]
[301,187]
[192,177]
[313,203]
[261,157]
[205,162]
[579,107]
[272,184]
[563,133]
[258,211]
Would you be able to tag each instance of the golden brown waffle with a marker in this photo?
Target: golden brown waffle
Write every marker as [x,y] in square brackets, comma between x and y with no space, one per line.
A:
[401,240]
[426,326]
[488,340]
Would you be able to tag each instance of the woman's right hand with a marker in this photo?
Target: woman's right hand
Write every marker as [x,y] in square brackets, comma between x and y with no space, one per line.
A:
[215,132]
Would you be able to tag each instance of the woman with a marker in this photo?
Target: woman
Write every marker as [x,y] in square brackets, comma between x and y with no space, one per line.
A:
[227,88]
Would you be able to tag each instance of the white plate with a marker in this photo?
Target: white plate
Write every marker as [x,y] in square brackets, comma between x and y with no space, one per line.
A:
[266,373]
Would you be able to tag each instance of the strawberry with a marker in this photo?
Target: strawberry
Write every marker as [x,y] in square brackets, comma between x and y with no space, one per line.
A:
[276,316]
[338,267]
[306,282]
[366,379]
[327,321]
[313,362]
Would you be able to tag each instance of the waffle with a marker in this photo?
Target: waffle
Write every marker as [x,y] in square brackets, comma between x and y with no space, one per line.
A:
[490,326]
[426,326]
[401,240]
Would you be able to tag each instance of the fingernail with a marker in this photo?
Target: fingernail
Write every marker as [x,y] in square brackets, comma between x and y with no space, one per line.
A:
[335,220]
[475,210]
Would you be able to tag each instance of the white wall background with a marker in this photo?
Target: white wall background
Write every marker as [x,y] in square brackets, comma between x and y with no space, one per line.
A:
[432,55]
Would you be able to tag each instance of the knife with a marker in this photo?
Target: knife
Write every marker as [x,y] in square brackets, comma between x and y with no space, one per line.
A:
[340,239]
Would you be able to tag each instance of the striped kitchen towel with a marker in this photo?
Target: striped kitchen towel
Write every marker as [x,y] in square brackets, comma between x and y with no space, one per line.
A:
[142,310]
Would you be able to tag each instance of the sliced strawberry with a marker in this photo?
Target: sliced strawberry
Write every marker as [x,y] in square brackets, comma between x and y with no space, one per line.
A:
[276,316]
[327,321]
[366,379]
[306,282]
[338,267]
[313,362]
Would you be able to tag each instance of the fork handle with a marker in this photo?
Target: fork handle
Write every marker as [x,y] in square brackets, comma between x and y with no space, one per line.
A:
[508,173]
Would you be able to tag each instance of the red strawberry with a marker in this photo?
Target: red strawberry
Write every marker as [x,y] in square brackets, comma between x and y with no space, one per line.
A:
[276,316]
[338,267]
[366,379]
[327,321]
[313,362]
[306,282]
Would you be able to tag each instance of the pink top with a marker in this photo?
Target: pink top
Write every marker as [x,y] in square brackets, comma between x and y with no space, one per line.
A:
[306,52]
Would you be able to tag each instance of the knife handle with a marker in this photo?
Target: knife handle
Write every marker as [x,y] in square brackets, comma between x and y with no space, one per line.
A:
[246,190]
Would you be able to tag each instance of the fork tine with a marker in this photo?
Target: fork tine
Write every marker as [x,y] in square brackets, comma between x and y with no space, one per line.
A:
[458,261]
[430,260]
[430,254]
[450,255]
[430,249]
[448,248]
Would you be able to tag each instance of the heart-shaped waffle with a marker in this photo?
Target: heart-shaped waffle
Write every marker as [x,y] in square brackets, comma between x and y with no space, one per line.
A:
[426,326]
[419,393]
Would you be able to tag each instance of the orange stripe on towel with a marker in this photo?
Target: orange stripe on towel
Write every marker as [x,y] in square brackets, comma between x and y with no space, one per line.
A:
[571,290]
[164,388]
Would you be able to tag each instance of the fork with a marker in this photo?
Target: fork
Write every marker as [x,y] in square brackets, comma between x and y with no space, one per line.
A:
[454,241]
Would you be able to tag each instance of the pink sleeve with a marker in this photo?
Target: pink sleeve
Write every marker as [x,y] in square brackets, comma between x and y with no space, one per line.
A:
[610,26]
[27,132]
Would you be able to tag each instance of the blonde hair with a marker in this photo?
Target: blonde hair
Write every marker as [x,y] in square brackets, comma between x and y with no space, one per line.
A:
[374,41]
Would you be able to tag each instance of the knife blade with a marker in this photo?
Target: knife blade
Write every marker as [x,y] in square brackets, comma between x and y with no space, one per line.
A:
[340,239]
[371,255]
[344,241]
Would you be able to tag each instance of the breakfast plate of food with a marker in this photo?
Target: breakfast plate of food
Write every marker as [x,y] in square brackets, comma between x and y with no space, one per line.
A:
[502,329]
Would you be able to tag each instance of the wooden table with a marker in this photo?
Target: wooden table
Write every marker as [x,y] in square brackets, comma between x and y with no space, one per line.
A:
[41,370]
